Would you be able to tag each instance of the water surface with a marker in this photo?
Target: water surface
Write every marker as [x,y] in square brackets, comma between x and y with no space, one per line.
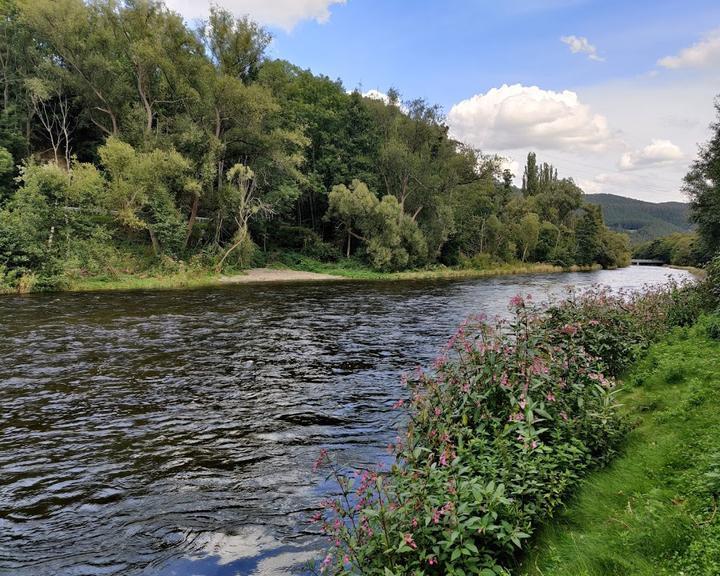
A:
[173,433]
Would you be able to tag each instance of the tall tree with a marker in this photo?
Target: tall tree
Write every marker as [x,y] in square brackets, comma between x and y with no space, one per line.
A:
[702,185]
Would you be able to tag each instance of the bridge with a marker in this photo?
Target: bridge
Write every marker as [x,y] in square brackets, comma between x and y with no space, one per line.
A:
[641,262]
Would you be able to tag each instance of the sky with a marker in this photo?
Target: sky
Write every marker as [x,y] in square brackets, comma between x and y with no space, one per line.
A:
[616,94]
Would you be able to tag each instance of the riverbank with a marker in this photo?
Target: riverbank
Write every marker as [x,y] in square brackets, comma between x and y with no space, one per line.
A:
[699,273]
[304,271]
[654,510]
[352,270]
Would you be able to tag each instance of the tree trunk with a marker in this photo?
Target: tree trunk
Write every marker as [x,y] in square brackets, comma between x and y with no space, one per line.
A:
[349,241]
[155,243]
[242,234]
[146,103]
[191,221]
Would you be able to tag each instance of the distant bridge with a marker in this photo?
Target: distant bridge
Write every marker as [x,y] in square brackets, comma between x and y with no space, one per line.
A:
[641,262]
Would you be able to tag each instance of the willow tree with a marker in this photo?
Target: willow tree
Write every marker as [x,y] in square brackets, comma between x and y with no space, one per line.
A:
[247,205]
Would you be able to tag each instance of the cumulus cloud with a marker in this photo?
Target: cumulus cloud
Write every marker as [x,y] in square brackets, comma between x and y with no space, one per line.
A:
[521,117]
[285,14]
[656,153]
[581,45]
[703,54]
[377,95]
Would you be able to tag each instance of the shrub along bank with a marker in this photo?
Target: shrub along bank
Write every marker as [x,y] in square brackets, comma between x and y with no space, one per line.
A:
[511,418]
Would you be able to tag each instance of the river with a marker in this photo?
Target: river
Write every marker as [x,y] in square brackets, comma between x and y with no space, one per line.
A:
[173,433]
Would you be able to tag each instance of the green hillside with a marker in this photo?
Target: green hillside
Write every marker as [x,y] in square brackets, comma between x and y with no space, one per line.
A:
[642,221]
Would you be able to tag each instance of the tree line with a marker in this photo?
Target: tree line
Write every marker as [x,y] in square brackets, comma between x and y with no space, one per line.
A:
[128,138]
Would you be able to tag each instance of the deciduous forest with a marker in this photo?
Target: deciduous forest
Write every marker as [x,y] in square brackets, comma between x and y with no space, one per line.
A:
[131,141]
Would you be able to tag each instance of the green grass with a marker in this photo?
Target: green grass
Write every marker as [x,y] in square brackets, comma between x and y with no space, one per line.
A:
[144,281]
[653,511]
[352,269]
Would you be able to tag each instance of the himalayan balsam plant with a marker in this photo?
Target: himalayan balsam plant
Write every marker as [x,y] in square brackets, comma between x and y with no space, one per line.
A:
[507,421]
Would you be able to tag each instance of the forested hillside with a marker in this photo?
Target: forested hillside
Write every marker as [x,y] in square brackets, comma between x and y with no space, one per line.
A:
[131,142]
[642,221]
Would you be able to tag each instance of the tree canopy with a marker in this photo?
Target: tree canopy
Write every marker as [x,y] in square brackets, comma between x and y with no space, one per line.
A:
[195,145]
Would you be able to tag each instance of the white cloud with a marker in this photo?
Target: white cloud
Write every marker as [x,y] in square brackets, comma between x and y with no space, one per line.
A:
[581,45]
[376,95]
[285,14]
[517,116]
[703,54]
[656,153]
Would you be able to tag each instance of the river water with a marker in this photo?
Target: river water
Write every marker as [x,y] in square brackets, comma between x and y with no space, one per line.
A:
[173,433]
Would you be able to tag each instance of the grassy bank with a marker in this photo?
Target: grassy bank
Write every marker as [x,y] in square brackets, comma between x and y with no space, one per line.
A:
[347,269]
[352,269]
[178,280]
[654,510]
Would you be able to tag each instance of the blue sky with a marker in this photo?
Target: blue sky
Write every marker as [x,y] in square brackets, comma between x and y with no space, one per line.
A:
[617,94]
[447,51]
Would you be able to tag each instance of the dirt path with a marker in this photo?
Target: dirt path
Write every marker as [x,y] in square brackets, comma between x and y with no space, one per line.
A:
[272,275]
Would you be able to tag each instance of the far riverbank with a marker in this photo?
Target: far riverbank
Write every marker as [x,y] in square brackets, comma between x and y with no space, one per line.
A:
[306,271]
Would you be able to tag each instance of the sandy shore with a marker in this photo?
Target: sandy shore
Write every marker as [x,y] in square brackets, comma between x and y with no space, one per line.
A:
[273,275]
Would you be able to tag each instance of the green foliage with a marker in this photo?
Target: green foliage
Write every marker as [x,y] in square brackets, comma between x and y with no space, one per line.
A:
[390,237]
[702,185]
[677,249]
[166,110]
[713,327]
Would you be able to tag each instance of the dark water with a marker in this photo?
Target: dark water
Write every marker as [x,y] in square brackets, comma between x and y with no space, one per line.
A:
[173,433]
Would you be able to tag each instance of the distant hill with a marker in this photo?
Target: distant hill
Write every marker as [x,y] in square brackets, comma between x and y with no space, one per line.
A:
[642,221]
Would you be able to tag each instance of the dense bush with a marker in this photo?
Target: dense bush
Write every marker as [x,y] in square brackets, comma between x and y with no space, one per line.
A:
[509,420]
[713,327]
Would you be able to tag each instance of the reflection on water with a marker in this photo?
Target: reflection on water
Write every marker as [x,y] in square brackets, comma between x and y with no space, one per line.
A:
[173,433]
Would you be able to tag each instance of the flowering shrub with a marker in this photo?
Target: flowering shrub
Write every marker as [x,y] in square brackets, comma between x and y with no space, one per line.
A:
[507,422]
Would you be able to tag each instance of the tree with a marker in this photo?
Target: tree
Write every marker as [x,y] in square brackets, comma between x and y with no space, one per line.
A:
[528,231]
[52,108]
[81,37]
[247,205]
[702,186]
[531,176]
[588,235]
[351,207]
[142,192]
[391,238]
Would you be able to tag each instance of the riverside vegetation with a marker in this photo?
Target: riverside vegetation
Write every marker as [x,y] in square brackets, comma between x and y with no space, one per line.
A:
[135,150]
[511,419]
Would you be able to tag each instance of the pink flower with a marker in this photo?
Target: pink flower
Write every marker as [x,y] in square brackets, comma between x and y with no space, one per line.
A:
[432,561]
[346,559]
[438,411]
[399,404]
[517,301]
[321,459]
[550,397]
[409,541]
[538,366]
[569,329]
